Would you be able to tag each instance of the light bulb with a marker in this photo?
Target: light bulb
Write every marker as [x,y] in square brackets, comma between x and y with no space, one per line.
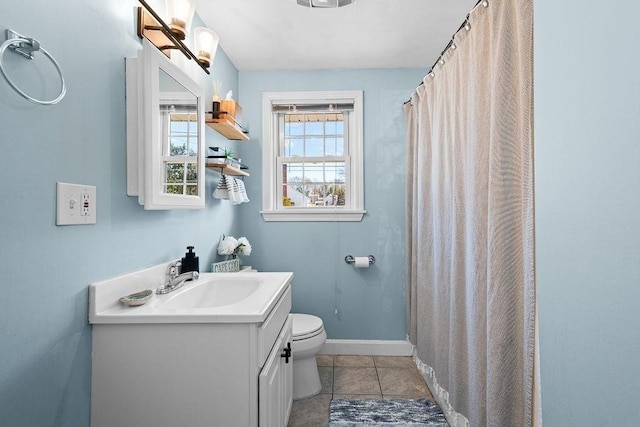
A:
[206,42]
[180,14]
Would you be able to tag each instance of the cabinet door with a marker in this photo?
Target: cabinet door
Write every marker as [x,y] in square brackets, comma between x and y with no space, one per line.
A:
[165,157]
[270,389]
[276,382]
[286,366]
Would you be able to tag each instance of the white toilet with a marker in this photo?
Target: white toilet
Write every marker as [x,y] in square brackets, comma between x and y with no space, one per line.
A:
[308,338]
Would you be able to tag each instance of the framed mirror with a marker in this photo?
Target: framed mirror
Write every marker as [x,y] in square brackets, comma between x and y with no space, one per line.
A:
[165,149]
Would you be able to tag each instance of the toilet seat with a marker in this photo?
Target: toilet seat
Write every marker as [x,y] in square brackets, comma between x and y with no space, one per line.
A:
[306,326]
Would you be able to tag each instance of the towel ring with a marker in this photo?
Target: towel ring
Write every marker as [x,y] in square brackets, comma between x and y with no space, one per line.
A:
[25,46]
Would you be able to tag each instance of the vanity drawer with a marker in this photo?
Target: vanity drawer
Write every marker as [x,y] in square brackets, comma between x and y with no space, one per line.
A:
[270,329]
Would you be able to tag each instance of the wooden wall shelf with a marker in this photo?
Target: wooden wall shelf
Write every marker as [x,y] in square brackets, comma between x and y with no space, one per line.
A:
[226,169]
[227,129]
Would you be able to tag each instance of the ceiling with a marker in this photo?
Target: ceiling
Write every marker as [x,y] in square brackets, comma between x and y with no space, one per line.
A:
[282,35]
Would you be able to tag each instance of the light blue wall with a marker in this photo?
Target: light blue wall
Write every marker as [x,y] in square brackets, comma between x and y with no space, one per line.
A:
[587,138]
[370,303]
[45,340]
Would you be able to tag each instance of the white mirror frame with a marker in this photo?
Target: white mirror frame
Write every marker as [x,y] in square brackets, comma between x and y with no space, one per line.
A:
[144,144]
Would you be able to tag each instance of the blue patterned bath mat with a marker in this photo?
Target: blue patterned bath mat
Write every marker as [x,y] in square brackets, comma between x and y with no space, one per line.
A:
[396,412]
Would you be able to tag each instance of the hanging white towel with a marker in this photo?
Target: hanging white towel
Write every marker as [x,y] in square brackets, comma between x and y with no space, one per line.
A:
[237,192]
[234,192]
[221,191]
[243,191]
[232,189]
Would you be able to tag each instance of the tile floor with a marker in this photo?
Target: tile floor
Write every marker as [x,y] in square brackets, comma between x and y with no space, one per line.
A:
[358,377]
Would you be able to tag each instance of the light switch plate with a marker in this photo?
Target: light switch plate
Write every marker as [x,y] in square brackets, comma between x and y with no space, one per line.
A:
[76,204]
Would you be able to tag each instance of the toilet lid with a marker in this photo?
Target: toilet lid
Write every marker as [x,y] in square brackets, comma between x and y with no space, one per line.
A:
[305,326]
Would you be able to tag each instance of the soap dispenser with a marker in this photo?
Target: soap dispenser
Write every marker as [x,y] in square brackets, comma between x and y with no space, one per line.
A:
[189,262]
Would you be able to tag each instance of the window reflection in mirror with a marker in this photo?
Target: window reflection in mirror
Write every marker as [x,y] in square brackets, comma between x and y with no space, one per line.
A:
[179,130]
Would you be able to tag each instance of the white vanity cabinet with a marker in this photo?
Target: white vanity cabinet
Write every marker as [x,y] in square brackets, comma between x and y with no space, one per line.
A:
[194,374]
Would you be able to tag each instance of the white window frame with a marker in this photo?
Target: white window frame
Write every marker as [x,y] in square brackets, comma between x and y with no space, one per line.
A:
[184,159]
[354,206]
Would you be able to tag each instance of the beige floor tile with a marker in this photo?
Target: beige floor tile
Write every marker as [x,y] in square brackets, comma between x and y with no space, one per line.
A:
[402,382]
[357,396]
[310,412]
[348,380]
[354,361]
[324,360]
[427,396]
[326,378]
[394,362]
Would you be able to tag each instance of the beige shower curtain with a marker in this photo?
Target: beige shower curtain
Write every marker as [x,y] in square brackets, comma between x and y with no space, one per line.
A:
[470,215]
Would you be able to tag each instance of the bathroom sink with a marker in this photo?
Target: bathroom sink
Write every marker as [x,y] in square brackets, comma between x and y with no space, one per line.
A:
[213,298]
[209,293]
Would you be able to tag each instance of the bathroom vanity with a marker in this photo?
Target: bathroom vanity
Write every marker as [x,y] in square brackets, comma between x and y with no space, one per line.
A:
[213,353]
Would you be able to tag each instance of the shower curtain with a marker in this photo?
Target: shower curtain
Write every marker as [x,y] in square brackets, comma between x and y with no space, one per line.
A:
[470,221]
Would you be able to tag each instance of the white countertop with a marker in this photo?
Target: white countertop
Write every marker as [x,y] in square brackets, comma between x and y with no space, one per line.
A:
[105,306]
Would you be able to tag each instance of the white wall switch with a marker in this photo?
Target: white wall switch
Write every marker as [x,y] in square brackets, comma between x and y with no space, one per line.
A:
[76,204]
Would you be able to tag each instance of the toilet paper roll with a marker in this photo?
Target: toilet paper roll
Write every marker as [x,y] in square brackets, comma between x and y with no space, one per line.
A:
[361,262]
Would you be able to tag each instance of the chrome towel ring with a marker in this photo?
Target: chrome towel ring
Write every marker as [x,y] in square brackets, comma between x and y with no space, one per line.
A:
[26,46]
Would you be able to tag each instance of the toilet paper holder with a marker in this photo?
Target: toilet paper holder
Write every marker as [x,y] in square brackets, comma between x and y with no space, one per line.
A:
[350,260]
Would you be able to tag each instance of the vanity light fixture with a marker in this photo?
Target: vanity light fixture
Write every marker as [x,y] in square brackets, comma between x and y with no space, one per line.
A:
[180,13]
[206,41]
[166,38]
[324,3]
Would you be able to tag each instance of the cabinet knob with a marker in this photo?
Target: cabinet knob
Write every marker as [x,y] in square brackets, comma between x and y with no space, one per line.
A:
[286,353]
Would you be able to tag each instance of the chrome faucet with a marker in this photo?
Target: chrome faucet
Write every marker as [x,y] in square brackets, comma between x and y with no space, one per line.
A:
[174,279]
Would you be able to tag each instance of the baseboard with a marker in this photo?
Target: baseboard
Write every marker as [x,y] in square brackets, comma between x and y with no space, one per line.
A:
[368,347]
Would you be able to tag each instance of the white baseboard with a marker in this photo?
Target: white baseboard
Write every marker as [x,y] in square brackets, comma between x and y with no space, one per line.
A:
[368,347]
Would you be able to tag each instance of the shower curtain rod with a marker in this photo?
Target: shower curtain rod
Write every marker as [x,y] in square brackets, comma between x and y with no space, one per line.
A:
[464,24]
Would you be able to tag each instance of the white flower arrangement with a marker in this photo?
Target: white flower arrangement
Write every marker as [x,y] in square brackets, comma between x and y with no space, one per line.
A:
[244,247]
[227,245]
[231,246]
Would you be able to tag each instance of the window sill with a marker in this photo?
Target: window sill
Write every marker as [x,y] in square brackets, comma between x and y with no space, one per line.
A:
[313,215]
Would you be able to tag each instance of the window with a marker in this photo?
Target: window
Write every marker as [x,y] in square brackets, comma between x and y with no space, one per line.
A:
[313,156]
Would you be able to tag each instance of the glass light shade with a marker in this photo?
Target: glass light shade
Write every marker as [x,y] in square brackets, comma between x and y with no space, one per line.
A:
[180,14]
[206,44]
